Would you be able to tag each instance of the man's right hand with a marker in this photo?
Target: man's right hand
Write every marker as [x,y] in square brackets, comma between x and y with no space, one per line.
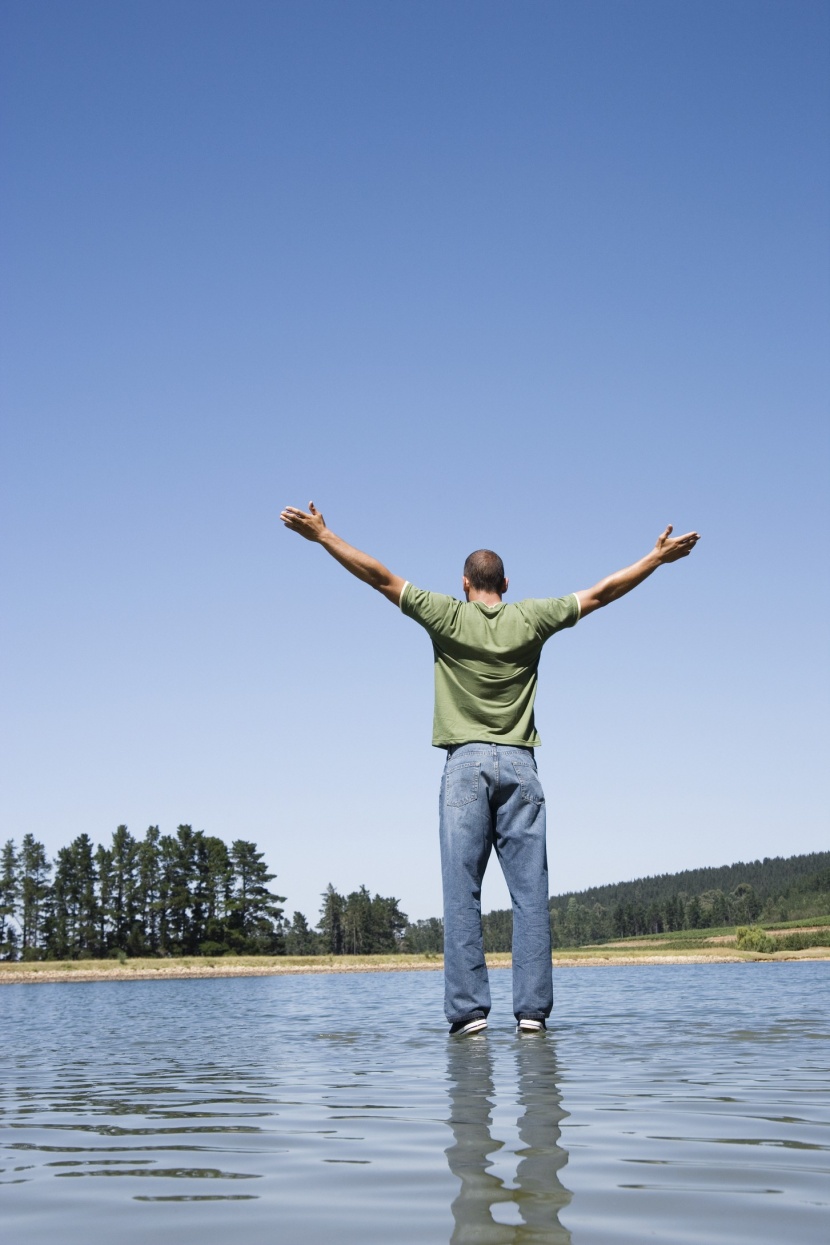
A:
[311,525]
[307,523]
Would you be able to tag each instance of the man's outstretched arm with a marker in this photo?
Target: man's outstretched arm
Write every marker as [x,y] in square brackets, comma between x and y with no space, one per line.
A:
[667,549]
[312,526]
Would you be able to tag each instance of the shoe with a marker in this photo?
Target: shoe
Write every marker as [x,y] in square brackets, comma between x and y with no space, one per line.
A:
[529,1024]
[469,1024]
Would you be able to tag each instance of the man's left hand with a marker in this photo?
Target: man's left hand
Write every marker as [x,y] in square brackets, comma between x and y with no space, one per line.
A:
[669,548]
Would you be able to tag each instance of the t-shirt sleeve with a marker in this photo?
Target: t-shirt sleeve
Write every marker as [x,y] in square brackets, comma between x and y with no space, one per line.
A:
[552,614]
[432,610]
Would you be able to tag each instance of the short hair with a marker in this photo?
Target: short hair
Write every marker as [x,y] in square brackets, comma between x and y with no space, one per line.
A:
[485,571]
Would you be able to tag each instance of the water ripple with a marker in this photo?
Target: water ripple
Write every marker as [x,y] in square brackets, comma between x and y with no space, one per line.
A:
[671,1103]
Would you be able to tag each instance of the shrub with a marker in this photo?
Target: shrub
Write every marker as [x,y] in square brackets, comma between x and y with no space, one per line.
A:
[753,938]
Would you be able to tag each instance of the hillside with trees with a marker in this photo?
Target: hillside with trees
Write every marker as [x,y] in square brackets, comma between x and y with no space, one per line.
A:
[774,890]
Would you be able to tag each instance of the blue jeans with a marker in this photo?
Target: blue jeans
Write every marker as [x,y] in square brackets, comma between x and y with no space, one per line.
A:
[491,797]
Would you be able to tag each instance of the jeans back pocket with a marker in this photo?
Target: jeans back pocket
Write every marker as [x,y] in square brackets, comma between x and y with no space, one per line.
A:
[462,783]
[529,782]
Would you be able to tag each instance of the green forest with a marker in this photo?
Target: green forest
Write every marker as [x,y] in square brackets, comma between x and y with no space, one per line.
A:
[189,893]
[775,889]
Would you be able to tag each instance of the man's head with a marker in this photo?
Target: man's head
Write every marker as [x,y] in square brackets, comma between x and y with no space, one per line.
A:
[484,576]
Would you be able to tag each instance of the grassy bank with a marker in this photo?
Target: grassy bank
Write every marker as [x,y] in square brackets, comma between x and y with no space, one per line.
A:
[667,950]
[816,930]
[153,969]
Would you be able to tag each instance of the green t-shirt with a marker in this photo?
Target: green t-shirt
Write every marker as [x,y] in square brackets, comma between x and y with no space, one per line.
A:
[486,663]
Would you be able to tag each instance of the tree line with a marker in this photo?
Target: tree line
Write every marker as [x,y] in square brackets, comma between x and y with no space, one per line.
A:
[783,889]
[186,893]
[772,879]
[774,889]
[577,923]
[191,894]
[354,924]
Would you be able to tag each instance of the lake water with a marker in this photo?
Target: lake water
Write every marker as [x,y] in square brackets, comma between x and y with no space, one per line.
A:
[667,1103]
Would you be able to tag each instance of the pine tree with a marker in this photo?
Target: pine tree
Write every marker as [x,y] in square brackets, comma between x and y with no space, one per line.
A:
[60,916]
[71,925]
[148,889]
[330,924]
[180,859]
[85,896]
[124,901]
[300,939]
[34,889]
[386,925]
[168,856]
[357,923]
[103,864]
[214,872]
[255,913]
[9,892]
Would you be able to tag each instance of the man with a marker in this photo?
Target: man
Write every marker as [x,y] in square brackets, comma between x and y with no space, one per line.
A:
[486,665]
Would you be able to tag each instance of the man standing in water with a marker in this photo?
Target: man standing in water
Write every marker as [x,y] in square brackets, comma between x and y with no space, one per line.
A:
[486,668]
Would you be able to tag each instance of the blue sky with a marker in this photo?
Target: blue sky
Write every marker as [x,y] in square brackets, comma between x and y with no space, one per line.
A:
[541,277]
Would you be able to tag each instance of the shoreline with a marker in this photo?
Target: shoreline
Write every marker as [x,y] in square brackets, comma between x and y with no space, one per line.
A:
[33,972]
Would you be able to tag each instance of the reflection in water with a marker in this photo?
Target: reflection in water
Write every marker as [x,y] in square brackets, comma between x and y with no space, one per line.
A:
[273,1111]
[538,1194]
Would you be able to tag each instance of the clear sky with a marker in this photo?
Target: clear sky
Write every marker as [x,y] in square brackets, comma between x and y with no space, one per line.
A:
[538,276]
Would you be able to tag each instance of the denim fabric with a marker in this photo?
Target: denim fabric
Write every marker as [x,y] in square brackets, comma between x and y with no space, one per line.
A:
[491,797]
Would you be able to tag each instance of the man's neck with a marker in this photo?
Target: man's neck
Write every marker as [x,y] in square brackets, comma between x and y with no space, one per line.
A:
[486,598]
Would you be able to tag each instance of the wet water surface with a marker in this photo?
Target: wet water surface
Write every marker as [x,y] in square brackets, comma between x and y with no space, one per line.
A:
[667,1103]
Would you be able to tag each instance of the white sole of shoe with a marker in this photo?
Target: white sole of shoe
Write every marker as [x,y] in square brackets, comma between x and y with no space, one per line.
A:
[530,1026]
[475,1026]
